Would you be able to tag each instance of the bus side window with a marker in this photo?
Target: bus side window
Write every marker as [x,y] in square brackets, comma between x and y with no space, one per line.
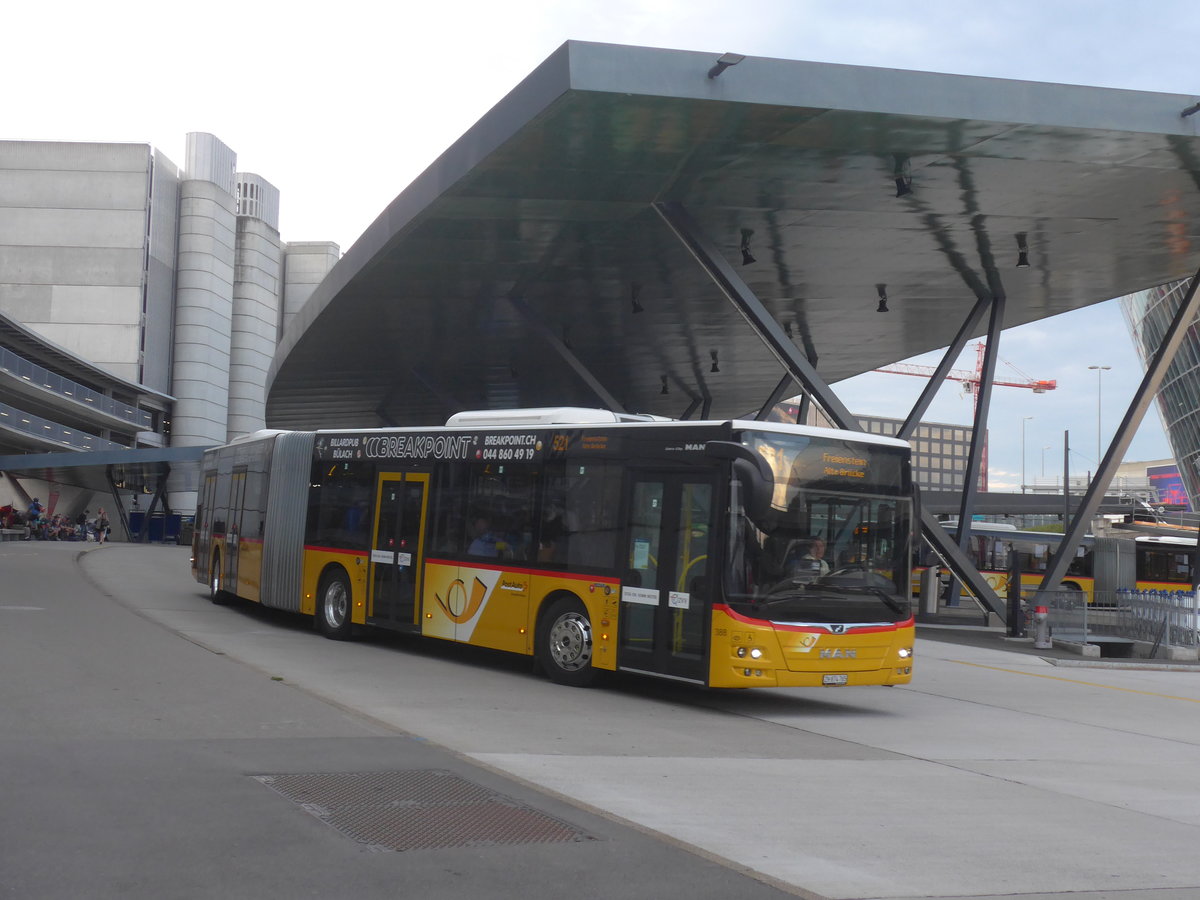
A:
[339,506]
[449,526]
[500,505]
[580,509]
[553,527]
[593,509]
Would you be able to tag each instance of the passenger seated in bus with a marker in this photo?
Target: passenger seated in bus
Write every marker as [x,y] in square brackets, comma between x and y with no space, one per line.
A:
[552,536]
[484,541]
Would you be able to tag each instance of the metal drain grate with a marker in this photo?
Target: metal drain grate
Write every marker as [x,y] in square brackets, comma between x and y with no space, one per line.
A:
[419,809]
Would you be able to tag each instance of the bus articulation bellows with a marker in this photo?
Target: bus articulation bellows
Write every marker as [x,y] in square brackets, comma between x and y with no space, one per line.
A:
[730,554]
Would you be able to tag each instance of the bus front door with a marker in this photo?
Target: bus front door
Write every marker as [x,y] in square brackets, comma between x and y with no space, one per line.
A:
[397,549]
[665,598]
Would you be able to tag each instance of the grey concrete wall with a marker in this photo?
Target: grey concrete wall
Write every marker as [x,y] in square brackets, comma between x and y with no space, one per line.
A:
[159,300]
[73,236]
[306,263]
[257,295]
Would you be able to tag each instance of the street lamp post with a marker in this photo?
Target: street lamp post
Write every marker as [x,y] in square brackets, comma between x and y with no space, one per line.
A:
[1023,421]
[1100,370]
[1044,449]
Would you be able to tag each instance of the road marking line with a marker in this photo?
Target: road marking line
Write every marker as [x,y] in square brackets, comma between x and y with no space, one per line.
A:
[1107,687]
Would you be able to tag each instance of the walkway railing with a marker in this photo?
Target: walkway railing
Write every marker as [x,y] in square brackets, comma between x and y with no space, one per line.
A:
[23,368]
[72,438]
[1154,619]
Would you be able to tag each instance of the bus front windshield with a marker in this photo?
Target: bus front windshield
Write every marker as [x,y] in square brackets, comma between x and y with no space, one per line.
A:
[820,552]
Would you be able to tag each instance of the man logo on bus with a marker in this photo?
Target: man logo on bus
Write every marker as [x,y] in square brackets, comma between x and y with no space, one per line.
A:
[457,606]
[839,653]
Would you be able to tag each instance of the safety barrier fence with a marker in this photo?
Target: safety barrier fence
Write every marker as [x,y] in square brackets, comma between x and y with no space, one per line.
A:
[1154,618]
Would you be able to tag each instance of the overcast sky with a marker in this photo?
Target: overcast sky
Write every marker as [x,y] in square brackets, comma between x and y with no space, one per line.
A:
[340,105]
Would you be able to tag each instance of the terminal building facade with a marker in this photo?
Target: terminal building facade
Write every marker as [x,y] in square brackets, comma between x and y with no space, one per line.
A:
[140,302]
[1148,314]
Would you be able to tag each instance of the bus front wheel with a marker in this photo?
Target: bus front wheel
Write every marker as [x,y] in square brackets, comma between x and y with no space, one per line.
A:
[565,645]
[333,606]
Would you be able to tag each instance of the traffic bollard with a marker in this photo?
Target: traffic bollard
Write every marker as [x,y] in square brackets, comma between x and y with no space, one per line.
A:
[1041,625]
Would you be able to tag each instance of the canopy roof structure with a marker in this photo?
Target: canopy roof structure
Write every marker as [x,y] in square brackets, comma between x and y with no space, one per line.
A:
[534,264]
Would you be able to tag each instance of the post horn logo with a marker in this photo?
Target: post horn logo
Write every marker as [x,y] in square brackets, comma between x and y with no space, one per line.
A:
[458,607]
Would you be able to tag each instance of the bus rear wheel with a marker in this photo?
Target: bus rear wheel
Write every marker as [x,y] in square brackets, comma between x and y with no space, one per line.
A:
[215,594]
[333,606]
[564,645]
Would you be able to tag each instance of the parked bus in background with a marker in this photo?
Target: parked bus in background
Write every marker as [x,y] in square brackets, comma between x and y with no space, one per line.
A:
[1101,565]
[586,539]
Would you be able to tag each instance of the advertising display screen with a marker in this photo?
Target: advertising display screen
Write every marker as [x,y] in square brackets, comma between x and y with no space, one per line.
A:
[1168,483]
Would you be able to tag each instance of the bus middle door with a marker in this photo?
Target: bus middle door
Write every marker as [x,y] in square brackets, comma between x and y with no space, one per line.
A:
[664,616]
[397,547]
[233,532]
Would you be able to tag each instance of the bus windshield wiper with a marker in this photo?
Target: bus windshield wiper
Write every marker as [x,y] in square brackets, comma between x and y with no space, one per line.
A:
[891,602]
[784,592]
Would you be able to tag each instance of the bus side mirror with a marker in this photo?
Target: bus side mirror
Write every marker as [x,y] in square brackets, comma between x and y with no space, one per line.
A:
[751,470]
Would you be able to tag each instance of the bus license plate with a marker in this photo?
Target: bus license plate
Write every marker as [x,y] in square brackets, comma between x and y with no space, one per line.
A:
[834,679]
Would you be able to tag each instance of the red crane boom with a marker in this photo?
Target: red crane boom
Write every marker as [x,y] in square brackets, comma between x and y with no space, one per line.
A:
[971,382]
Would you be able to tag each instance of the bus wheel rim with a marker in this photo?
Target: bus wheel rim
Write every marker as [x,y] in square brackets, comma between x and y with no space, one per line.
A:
[571,642]
[335,604]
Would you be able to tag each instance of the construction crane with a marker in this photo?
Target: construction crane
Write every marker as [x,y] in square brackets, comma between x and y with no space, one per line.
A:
[970,382]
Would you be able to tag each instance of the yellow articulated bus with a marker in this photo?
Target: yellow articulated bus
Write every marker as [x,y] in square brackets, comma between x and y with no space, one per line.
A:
[1101,567]
[730,554]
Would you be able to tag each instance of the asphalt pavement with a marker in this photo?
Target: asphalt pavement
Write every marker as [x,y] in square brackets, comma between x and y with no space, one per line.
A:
[136,762]
[155,745]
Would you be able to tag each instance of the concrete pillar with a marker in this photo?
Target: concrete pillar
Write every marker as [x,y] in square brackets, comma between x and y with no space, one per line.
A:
[257,296]
[203,314]
[203,303]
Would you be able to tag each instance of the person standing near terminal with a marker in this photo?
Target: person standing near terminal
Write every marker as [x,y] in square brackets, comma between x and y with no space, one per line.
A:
[101,526]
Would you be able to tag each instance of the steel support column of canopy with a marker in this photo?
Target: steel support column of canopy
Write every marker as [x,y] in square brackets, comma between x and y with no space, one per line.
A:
[569,357]
[110,477]
[1156,372]
[983,403]
[777,395]
[688,231]
[943,369]
[739,294]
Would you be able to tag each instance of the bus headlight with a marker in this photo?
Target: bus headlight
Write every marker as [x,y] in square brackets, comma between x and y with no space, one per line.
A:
[905,653]
[755,653]
[741,652]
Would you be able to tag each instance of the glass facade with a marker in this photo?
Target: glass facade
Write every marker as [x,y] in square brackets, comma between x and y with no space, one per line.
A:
[1149,314]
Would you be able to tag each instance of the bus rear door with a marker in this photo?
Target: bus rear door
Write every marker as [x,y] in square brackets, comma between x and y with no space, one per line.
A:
[397,547]
[664,619]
